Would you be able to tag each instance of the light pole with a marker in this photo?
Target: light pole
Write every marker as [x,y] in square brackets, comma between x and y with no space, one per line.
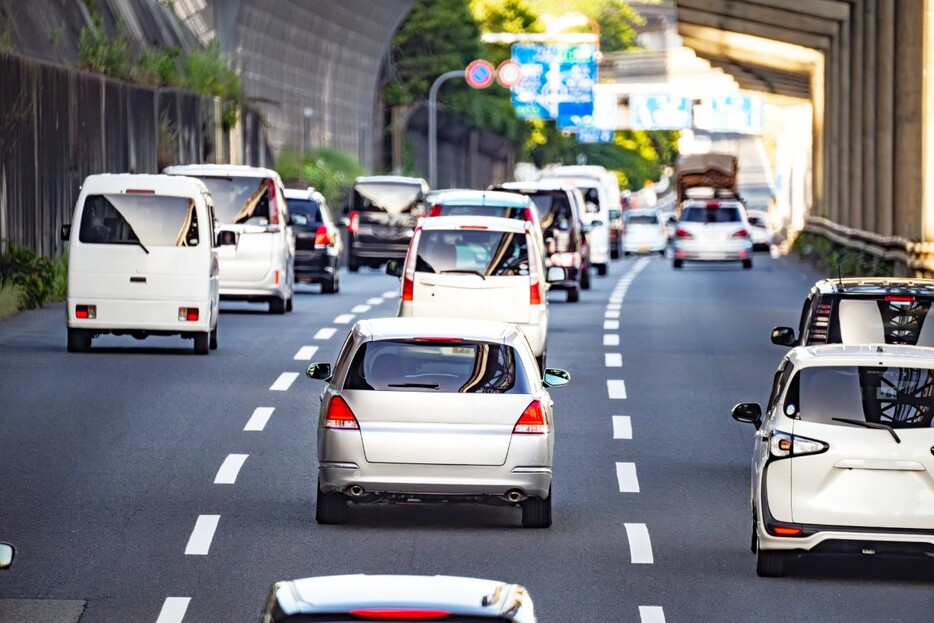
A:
[433,123]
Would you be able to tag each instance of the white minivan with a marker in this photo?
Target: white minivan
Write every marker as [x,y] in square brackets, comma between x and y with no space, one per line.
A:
[142,260]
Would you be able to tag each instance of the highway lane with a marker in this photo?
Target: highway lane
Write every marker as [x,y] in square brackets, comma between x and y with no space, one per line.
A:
[110,459]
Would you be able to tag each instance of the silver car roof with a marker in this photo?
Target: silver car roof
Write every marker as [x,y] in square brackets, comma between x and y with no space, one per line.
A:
[411,327]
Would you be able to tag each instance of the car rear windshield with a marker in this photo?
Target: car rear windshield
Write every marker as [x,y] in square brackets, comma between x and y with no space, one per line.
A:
[150,220]
[390,197]
[642,219]
[452,209]
[304,211]
[897,397]
[877,320]
[722,214]
[483,252]
[437,366]
[239,199]
[554,210]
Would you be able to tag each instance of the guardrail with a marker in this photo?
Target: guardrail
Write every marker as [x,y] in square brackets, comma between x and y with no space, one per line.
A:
[916,256]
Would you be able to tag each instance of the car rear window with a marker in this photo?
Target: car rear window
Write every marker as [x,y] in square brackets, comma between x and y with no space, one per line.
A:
[642,219]
[888,319]
[722,214]
[437,366]
[306,208]
[554,210]
[898,397]
[153,220]
[389,197]
[484,252]
[239,199]
[445,209]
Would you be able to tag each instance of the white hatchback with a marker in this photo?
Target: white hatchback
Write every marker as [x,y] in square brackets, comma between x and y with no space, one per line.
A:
[712,231]
[843,459]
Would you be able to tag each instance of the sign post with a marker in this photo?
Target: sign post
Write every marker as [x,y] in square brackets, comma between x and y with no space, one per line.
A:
[433,123]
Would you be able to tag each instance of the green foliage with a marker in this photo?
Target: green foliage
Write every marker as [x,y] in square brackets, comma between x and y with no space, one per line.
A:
[615,20]
[100,53]
[39,279]
[839,260]
[208,72]
[11,298]
[158,67]
[328,170]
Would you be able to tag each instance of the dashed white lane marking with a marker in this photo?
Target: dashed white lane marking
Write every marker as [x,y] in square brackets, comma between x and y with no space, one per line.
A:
[227,474]
[391,294]
[325,334]
[257,421]
[305,353]
[360,309]
[200,541]
[173,610]
[284,382]
[640,546]
[622,427]
[611,313]
[610,325]
[626,477]
[616,299]
[344,319]
[610,340]
[616,389]
[374,301]
[614,306]
[651,614]
[613,360]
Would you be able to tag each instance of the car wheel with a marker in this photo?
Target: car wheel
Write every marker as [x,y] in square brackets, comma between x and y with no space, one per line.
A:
[79,340]
[289,304]
[536,512]
[770,564]
[585,278]
[627,253]
[574,294]
[601,270]
[214,338]
[276,305]
[202,343]
[330,286]
[614,254]
[331,508]
[352,264]
[661,252]
[754,542]
[747,264]
[677,263]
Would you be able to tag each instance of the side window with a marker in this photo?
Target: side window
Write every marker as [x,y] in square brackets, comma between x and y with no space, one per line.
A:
[806,311]
[778,385]
[343,355]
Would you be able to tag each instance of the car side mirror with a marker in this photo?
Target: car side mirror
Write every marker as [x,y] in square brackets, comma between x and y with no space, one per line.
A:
[672,220]
[66,232]
[783,336]
[7,552]
[225,237]
[556,274]
[319,371]
[555,377]
[394,268]
[748,413]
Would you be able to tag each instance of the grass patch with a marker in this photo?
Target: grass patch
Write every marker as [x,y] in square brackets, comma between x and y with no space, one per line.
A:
[11,299]
[837,259]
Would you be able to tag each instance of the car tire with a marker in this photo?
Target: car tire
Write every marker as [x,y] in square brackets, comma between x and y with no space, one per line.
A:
[289,304]
[330,286]
[202,343]
[601,269]
[331,509]
[747,264]
[79,340]
[770,564]
[352,264]
[677,263]
[661,252]
[627,253]
[214,338]
[276,305]
[574,294]
[585,278]
[614,254]
[536,512]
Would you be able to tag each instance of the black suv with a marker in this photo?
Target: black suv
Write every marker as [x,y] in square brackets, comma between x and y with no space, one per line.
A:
[881,310]
[318,243]
[381,218]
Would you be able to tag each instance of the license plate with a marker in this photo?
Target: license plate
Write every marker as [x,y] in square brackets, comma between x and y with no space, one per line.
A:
[644,248]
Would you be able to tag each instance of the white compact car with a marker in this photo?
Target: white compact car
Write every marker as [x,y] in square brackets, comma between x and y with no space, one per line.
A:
[142,260]
[644,231]
[712,231]
[482,267]
[255,246]
[843,457]
[430,409]
[759,230]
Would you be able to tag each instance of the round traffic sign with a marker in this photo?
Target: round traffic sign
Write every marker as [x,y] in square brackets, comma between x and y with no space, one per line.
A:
[508,73]
[479,74]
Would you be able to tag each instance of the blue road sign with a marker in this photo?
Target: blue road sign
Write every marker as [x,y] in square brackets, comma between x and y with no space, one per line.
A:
[659,112]
[553,76]
[738,113]
[594,135]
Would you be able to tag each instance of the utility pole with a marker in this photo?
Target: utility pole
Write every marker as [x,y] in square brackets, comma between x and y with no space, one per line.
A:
[433,124]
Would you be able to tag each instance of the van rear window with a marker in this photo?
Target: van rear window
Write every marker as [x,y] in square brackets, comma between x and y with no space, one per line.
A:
[239,199]
[388,197]
[723,214]
[554,210]
[484,252]
[153,220]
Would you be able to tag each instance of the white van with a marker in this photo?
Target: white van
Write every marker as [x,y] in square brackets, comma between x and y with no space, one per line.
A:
[255,246]
[142,261]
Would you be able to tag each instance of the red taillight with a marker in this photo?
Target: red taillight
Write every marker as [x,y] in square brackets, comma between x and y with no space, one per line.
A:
[786,531]
[408,271]
[532,421]
[340,416]
[683,233]
[712,204]
[276,277]
[408,288]
[321,237]
[86,312]
[899,299]
[535,290]
[742,233]
[435,210]
[399,614]
[528,215]
[273,204]
[139,191]
[353,222]
[188,314]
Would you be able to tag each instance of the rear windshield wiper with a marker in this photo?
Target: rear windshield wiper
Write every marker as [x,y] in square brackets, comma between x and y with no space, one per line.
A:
[866,424]
[464,271]
[418,385]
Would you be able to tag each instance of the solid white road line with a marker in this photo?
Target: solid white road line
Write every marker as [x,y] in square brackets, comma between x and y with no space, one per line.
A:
[173,610]
[360,309]
[640,546]
[613,360]
[375,301]
[325,334]
[227,474]
[651,614]
[610,325]
[616,389]
[259,418]
[305,353]
[611,313]
[344,319]
[626,477]
[200,541]
[284,382]
[610,340]
[391,294]
[622,427]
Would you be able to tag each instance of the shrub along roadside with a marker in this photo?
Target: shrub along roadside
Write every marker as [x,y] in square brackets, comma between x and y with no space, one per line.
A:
[28,280]
[837,259]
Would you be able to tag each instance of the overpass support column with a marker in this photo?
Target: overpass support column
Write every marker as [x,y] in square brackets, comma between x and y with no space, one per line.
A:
[885,116]
[869,220]
[844,108]
[858,71]
[909,127]
[927,179]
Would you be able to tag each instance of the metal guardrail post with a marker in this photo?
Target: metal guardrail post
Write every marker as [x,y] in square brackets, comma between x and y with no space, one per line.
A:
[433,124]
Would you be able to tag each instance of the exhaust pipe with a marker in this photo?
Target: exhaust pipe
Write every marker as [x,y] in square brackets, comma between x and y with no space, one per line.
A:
[356,490]
[514,496]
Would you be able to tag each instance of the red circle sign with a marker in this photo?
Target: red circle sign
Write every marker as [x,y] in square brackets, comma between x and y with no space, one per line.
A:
[508,73]
[479,74]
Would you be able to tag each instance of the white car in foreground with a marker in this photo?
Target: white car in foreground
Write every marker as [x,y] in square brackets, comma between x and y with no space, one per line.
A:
[843,457]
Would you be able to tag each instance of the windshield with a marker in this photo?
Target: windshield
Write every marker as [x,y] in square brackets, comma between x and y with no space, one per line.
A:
[239,199]
[442,366]
[898,397]
[642,219]
[485,252]
[153,220]
[723,214]
[390,197]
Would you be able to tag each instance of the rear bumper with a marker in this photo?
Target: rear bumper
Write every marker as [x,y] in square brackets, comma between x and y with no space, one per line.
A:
[837,540]
[123,317]
[315,267]
[644,245]
[379,251]
[259,290]
[718,252]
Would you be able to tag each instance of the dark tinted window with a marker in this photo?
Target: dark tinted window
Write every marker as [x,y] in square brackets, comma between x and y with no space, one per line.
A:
[723,214]
[554,210]
[153,220]
[307,208]
[390,197]
[758,221]
[239,199]
[444,209]
[642,219]
[461,367]
[487,252]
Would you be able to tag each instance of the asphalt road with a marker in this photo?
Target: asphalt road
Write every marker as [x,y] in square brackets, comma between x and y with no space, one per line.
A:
[115,463]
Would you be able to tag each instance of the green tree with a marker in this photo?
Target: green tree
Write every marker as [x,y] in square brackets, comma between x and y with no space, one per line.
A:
[615,19]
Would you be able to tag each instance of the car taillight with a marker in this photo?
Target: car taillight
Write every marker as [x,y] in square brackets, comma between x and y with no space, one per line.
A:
[820,324]
[408,271]
[273,203]
[321,237]
[535,289]
[899,299]
[683,233]
[435,210]
[532,421]
[741,233]
[399,614]
[528,215]
[340,416]
[188,314]
[783,445]
[712,204]
[353,222]
[86,312]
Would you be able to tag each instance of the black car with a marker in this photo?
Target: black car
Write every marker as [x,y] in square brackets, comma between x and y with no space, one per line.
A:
[318,243]
[878,310]
[381,218]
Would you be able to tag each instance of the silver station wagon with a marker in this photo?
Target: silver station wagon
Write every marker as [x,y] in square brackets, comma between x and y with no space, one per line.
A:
[435,409]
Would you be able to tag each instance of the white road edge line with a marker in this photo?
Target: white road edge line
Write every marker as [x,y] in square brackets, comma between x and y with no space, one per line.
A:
[610,340]
[227,474]
[360,309]
[616,389]
[284,382]
[325,334]
[622,427]
[200,541]
[640,546]
[257,421]
[626,478]
[344,319]
[613,360]
[305,353]
[651,614]
[173,610]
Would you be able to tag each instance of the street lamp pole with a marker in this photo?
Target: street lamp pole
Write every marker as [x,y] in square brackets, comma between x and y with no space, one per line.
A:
[433,124]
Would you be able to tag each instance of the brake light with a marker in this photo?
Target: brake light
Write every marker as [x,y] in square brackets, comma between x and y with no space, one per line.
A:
[741,233]
[188,314]
[86,312]
[340,416]
[482,227]
[712,204]
[408,271]
[820,324]
[273,203]
[276,277]
[785,531]
[535,289]
[399,614]
[321,237]
[353,222]
[683,233]
[139,191]
[899,299]
[532,421]
[528,215]
[435,210]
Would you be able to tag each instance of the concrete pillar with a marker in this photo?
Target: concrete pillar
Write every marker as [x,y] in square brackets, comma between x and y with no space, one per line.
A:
[927,190]
[868,131]
[844,106]
[832,159]
[909,69]
[818,184]
[885,118]
[857,84]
